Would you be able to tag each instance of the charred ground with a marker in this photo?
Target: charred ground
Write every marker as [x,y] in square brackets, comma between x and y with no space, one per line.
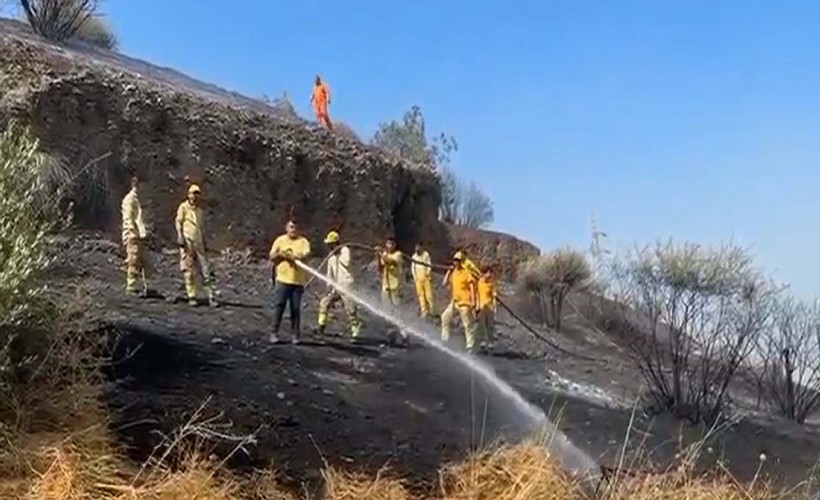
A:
[364,407]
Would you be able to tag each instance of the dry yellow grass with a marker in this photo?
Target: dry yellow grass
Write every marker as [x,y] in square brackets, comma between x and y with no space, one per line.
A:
[341,485]
[265,486]
[683,484]
[196,479]
[521,472]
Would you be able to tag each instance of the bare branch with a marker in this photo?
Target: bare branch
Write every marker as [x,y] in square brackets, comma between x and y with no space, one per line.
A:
[699,312]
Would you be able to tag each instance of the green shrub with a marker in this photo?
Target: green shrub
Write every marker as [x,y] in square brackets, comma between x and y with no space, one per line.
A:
[28,218]
[548,279]
[96,31]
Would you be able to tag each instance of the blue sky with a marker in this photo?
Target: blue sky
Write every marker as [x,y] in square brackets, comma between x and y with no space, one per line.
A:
[698,120]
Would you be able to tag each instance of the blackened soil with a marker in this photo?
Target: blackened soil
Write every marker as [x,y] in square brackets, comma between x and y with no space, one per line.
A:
[366,406]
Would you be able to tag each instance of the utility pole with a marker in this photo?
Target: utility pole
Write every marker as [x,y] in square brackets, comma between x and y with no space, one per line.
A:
[595,247]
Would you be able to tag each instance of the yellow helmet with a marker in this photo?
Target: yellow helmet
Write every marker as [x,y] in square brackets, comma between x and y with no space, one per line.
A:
[458,256]
[194,188]
[332,237]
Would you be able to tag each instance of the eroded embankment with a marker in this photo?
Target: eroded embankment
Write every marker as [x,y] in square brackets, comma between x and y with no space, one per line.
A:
[109,117]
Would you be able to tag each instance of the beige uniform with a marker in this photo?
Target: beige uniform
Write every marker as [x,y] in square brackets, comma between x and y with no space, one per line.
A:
[133,230]
[338,271]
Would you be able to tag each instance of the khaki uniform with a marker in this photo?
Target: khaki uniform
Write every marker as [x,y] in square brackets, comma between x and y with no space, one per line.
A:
[338,271]
[462,284]
[487,299]
[423,279]
[133,231]
[391,267]
[194,265]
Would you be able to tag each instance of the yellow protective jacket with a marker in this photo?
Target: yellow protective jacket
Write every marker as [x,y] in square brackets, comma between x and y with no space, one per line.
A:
[420,268]
[192,220]
[391,264]
[338,267]
[133,225]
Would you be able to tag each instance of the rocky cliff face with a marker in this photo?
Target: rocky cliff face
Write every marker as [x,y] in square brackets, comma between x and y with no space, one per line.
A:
[109,117]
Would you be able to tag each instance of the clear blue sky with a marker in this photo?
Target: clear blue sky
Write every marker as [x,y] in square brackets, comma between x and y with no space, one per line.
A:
[698,120]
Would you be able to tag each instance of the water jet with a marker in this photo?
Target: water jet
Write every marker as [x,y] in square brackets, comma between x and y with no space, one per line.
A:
[537,424]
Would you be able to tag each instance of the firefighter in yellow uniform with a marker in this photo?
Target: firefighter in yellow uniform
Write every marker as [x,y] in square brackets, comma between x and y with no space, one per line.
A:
[190,226]
[422,271]
[338,271]
[464,302]
[467,264]
[391,272]
[133,232]
[487,306]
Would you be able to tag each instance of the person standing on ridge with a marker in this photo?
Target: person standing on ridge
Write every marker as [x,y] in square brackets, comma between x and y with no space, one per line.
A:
[487,306]
[391,272]
[422,271]
[190,226]
[133,234]
[338,271]
[285,252]
[320,99]
[464,301]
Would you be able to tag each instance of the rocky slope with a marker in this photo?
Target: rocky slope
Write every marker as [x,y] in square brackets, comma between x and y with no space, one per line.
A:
[502,250]
[109,116]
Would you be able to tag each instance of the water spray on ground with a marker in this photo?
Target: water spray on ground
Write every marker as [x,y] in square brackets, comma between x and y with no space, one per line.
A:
[574,459]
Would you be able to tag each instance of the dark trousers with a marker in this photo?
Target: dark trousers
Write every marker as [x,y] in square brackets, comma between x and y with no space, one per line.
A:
[283,294]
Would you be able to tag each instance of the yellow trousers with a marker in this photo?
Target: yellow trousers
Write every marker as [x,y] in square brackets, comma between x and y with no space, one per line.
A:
[331,298]
[486,324]
[133,263]
[195,269]
[424,291]
[465,312]
[390,298]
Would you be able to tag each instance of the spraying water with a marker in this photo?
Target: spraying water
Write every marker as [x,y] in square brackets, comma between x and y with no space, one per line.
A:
[574,459]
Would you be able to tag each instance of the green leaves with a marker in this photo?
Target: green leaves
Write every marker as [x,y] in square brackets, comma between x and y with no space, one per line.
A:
[27,219]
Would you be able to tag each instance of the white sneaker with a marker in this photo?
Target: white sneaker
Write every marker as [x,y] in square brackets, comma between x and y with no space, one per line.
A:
[273,338]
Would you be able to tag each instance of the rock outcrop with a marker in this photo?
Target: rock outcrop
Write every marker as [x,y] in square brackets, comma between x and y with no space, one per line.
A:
[489,247]
[109,117]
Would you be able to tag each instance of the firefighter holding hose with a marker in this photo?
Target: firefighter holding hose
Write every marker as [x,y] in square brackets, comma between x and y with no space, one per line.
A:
[464,302]
[338,271]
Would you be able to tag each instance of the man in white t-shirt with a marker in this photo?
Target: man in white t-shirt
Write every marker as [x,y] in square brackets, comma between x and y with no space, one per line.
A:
[338,271]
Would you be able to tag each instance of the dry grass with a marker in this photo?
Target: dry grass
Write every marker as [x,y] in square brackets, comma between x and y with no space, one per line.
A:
[341,485]
[520,472]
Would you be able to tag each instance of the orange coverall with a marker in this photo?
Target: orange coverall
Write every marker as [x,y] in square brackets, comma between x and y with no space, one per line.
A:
[320,100]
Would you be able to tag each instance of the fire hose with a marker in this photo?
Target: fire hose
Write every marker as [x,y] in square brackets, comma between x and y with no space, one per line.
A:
[441,268]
